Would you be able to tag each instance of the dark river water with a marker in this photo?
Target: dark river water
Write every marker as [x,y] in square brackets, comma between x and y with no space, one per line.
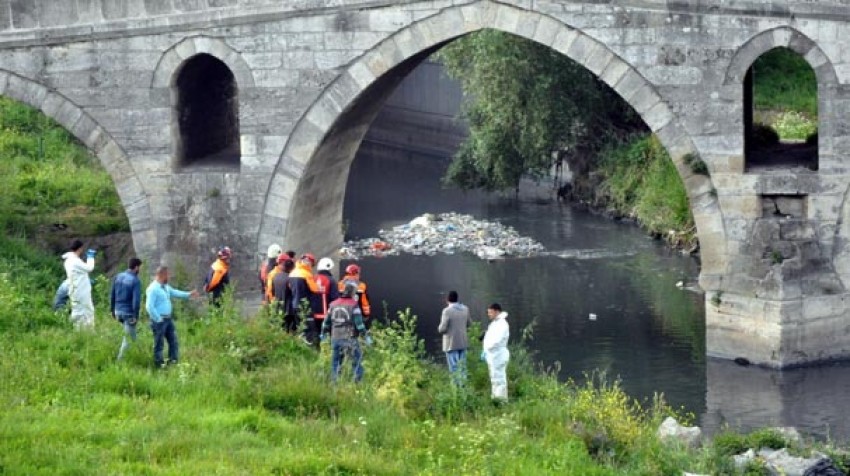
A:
[648,332]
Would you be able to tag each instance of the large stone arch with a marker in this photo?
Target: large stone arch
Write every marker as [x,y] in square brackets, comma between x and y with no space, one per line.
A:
[105,148]
[305,196]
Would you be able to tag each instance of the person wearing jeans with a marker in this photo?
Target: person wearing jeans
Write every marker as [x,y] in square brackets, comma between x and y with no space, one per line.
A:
[158,305]
[344,321]
[454,324]
[125,301]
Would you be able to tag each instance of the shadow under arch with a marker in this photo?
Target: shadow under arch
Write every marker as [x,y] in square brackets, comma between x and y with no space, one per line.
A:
[317,157]
[111,156]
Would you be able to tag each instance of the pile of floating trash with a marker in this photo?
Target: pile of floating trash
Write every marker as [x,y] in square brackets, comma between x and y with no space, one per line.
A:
[447,233]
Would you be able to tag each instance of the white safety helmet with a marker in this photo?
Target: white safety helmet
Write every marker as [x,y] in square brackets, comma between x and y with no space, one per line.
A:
[325,264]
[274,250]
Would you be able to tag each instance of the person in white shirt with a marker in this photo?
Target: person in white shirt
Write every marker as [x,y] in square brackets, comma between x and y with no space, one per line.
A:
[79,284]
[496,352]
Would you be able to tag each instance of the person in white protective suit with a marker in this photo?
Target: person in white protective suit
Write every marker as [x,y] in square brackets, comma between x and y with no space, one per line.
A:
[496,352]
[79,284]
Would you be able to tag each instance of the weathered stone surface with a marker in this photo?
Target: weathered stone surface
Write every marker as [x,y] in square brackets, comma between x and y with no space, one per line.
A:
[775,242]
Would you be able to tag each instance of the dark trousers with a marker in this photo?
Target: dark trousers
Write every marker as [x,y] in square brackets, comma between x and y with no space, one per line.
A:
[164,330]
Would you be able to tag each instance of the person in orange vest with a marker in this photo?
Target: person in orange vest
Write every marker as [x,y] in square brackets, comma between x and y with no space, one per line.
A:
[218,277]
[352,274]
[328,291]
[278,268]
[305,292]
[267,266]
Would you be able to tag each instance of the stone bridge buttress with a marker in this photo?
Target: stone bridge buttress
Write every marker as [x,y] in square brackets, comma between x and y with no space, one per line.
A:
[235,122]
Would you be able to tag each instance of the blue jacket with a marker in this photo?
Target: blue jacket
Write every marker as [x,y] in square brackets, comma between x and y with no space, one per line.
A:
[126,296]
[159,297]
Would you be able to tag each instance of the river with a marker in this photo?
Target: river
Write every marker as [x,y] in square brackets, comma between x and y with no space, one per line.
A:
[648,332]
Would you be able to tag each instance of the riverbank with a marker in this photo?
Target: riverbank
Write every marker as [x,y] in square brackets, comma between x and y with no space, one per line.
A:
[247,398]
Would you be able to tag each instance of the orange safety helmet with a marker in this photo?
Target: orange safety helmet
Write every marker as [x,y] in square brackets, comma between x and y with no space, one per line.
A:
[309,257]
[352,269]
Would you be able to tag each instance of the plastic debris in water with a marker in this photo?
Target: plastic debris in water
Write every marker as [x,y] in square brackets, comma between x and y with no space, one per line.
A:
[447,233]
[592,316]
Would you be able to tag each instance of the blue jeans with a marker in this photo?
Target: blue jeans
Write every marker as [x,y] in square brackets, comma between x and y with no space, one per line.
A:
[341,349]
[457,365]
[129,323]
[164,330]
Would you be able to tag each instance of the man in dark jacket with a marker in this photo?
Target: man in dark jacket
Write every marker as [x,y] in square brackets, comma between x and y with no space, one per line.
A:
[125,301]
[282,295]
[305,294]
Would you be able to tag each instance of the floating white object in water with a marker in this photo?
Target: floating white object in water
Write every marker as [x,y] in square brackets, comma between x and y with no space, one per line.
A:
[592,316]
[680,284]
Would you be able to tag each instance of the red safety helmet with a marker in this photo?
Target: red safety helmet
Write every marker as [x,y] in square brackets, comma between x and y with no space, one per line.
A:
[282,258]
[310,257]
[352,269]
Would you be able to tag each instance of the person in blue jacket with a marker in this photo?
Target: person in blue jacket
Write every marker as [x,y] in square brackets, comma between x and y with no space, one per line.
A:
[125,300]
[158,304]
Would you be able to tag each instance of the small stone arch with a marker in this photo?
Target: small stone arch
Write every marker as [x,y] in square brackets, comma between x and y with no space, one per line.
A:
[825,74]
[314,164]
[785,37]
[210,110]
[165,73]
[113,158]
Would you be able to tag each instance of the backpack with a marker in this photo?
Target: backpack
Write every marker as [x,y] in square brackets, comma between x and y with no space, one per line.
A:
[340,316]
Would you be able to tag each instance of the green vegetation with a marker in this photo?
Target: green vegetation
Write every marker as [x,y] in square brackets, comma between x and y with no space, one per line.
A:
[640,180]
[527,106]
[49,178]
[248,399]
[785,94]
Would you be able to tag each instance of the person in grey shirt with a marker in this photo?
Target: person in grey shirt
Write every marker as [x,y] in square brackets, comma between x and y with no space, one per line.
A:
[453,326]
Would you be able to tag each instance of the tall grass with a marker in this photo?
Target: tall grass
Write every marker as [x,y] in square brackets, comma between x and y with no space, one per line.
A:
[246,398]
[48,177]
[640,180]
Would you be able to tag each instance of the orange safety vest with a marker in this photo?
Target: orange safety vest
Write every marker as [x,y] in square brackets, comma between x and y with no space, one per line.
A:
[362,297]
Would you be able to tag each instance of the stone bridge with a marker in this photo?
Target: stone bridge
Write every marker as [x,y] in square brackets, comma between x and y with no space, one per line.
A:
[235,122]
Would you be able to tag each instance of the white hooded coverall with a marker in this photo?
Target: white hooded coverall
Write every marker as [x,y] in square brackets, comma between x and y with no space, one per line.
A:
[496,351]
[79,289]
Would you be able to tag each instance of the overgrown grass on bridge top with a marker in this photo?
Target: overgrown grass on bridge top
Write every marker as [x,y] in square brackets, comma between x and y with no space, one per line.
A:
[48,177]
[248,399]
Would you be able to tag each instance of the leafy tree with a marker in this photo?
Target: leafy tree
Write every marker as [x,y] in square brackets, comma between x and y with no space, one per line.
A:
[528,107]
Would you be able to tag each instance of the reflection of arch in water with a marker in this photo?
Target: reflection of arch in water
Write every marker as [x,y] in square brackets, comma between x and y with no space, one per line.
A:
[100,143]
[318,154]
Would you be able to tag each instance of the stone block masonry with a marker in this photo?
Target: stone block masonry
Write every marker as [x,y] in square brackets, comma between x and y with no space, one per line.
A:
[308,77]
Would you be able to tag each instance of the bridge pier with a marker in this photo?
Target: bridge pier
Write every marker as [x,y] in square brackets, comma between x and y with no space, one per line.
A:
[308,77]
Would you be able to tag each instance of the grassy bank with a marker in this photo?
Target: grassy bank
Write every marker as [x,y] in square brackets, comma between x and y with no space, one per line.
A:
[785,94]
[48,178]
[248,399]
[638,180]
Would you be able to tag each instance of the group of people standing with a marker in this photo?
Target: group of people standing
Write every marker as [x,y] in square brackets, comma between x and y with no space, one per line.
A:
[324,305]
[125,299]
[454,326]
